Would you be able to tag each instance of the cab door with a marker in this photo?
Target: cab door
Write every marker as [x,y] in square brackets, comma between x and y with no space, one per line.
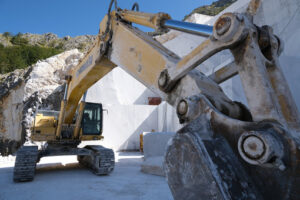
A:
[92,120]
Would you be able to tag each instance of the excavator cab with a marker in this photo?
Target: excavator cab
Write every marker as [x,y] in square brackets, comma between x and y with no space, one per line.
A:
[92,120]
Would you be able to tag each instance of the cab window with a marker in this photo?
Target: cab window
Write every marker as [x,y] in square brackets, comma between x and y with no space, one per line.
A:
[92,119]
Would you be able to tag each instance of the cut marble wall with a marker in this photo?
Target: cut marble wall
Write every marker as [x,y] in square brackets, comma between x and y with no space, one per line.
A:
[123,125]
[126,110]
[126,113]
[118,87]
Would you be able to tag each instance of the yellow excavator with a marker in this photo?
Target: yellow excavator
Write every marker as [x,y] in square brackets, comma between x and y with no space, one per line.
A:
[225,150]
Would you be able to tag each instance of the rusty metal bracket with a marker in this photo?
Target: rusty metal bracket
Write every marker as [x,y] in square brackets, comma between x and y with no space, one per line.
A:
[228,31]
[225,73]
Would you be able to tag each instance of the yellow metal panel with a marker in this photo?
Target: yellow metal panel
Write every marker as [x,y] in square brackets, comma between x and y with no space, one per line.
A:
[89,71]
[44,128]
[140,55]
[37,137]
[91,137]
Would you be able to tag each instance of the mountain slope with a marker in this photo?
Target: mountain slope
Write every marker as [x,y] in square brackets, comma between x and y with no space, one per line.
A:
[212,9]
[22,50]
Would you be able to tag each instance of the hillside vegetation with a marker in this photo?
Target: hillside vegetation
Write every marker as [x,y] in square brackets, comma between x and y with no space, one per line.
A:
[20,54]
[213,9]
[22,50]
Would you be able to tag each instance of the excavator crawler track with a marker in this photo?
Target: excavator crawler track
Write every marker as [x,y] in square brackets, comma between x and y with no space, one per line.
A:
[101,161]
[25,163]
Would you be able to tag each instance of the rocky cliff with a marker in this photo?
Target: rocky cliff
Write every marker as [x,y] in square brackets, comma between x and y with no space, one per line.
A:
[83,42]
[22,50]
[24,90]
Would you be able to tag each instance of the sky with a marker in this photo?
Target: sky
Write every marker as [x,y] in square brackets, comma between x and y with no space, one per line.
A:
[77,17]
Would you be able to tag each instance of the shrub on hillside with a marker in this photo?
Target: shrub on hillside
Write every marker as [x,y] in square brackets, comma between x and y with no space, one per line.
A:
[18,40]
[22,56]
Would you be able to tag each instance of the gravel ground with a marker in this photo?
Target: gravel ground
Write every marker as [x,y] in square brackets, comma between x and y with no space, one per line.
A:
[62,178]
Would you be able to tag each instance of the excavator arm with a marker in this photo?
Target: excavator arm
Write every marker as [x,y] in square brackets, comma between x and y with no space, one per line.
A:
[225,150]
[136,52]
